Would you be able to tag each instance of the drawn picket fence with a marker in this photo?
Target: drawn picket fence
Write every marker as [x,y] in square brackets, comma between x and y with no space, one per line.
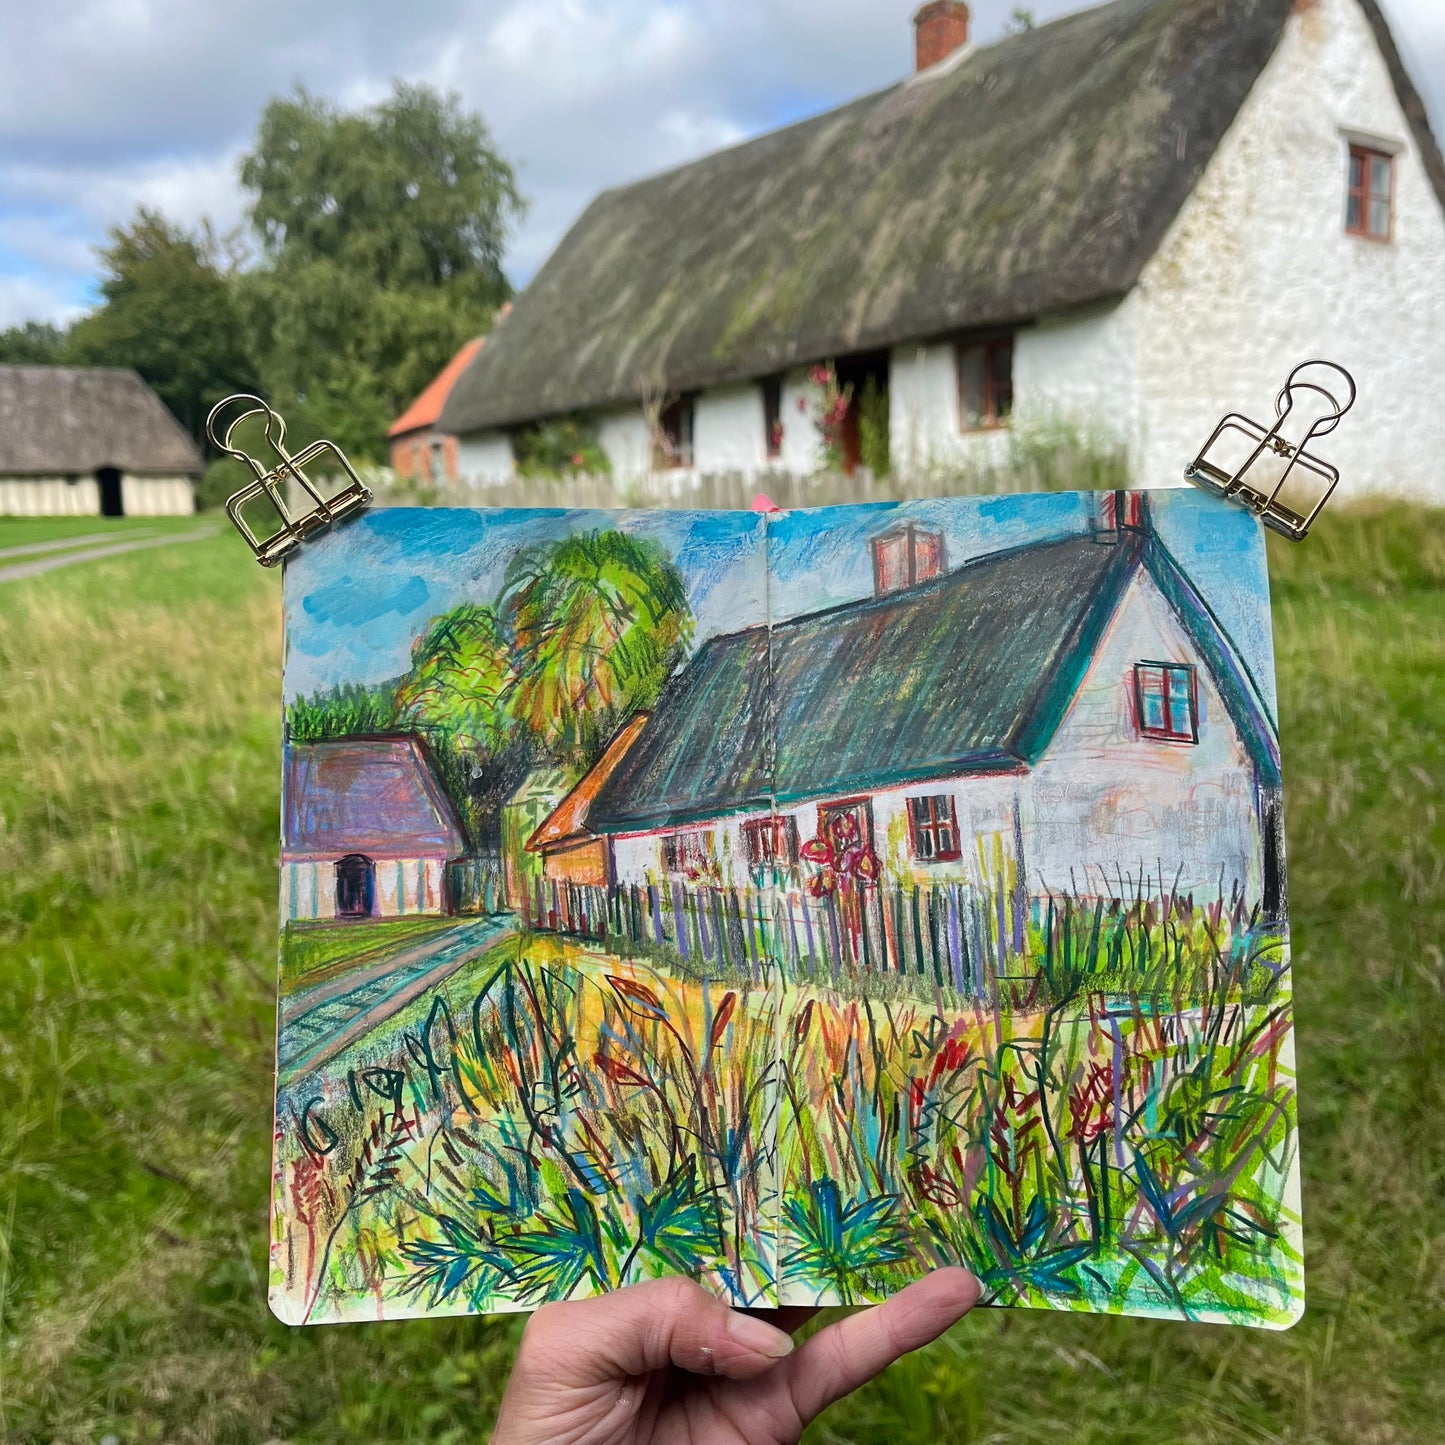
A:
[947,934]
[478,884]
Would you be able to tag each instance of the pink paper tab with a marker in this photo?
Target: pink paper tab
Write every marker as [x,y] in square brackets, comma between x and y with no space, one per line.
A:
[764,503]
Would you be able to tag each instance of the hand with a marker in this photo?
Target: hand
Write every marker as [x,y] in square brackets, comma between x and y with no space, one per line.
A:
[665,1363]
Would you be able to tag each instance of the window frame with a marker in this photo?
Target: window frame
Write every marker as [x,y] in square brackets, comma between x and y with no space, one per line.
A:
[934,825]
[772,389]
[678,857]
[862,806]
[674,448]
[1365,193]
[767,831]
[1169,733]
[990,418]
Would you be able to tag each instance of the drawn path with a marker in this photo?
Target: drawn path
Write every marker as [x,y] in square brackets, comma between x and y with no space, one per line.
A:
[37,565]
[318,1022]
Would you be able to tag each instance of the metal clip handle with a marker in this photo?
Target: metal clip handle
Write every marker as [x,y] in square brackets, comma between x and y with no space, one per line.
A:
[269,482]
[1267,502]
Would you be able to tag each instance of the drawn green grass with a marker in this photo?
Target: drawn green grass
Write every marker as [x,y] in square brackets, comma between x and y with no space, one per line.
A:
[138,768]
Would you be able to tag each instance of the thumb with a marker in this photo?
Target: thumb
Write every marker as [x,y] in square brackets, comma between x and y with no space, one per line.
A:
[647,1327]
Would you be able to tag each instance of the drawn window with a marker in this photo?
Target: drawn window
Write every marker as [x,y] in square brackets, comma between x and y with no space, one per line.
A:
[842,825]
[355,887]
[771,840]
[691,853]
[773,417]
[1167,699]
[1369,210]
[986,383]
[672,445]
[933,827]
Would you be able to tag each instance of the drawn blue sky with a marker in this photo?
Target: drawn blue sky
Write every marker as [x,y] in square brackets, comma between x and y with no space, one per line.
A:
[356,601]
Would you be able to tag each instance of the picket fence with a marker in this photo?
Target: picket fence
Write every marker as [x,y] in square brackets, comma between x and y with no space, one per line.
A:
[947,934]
[478,884]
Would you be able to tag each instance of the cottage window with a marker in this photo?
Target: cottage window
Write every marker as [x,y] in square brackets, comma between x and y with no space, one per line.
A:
[985,383]
[1166,696]
[672,442]
[1370,206]
[691,853]
[933,828]
[844,825]
[773,417]
[771,840]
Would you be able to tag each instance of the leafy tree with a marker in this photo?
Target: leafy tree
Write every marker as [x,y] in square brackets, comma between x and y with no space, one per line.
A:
[461,680]
[600,620]
[33,343]
[168,311]
[382,232]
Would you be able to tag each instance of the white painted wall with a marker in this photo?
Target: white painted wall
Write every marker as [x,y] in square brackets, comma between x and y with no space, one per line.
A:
[485,457]
[728,430]
[404,887]
[62,497]
[1258,273]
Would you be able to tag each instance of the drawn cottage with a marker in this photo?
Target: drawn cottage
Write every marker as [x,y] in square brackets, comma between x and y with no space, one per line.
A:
[1069,708]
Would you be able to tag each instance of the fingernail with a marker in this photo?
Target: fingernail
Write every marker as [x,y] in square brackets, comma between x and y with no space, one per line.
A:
[762,1339]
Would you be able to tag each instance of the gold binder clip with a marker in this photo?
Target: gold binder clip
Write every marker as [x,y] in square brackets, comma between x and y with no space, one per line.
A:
[270,482]
[1258,482]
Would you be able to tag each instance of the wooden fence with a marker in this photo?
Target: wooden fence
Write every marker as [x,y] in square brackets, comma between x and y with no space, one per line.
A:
[946,934]
[478,884]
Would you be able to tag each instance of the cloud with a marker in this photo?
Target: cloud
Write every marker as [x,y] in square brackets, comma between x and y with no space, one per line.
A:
[129,102]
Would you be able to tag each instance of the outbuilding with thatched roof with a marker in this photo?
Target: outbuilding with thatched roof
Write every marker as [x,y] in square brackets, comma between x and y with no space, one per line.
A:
[91,441]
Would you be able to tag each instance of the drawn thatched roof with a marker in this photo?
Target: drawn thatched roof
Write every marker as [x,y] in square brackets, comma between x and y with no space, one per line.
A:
[72,420]
[1034,174]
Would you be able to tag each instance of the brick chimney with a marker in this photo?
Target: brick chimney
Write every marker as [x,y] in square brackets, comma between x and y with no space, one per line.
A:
[939,29]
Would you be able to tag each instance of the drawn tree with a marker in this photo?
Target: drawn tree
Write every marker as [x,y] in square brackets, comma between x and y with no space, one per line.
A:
[599,621]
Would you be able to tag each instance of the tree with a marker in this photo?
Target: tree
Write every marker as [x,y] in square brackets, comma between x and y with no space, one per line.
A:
[461,681]
[33,343]
[600,620]
[169,312]
[382,233]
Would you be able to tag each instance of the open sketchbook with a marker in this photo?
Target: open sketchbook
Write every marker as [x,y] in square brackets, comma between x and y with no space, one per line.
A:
[795,902]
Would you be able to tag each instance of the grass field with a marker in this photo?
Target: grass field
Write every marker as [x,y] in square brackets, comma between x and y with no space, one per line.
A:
[139,762]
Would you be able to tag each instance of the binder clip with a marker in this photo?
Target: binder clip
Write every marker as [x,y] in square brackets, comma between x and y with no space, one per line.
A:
[270,483]
[1273,459]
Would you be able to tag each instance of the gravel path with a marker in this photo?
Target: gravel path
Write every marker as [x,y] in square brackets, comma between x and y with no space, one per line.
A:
[93,554]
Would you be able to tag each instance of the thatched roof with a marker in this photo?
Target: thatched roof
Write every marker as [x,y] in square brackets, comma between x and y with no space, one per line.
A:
[1035,174]
[72,420]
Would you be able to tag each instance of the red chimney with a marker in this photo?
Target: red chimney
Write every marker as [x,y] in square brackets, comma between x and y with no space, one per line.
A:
[939,29]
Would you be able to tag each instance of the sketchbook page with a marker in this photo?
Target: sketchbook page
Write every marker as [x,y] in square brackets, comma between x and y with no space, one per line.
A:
[526,1037]
[1037,1014]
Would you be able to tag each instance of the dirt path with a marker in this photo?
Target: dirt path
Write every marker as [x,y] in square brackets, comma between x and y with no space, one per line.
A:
[64,544]
[34,568]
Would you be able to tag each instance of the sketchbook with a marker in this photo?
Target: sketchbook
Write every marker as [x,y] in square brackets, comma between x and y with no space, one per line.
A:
[796,902]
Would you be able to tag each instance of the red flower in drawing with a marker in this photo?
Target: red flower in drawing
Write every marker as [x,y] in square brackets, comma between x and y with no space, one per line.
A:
[841,856]
[815,850]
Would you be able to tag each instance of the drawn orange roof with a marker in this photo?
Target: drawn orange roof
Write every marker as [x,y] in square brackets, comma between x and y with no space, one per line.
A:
[427,408]
[568,821]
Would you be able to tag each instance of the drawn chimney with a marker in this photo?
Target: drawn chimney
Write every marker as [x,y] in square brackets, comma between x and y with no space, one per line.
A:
[904,557]
[1124,511]
[939,29]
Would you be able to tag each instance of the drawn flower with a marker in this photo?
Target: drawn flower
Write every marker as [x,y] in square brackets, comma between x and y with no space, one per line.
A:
[815,850]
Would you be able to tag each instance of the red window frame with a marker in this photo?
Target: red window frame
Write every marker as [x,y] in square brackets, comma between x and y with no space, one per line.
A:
[1155,680]
[996,400]
[862,810]
[672,447]
[933,834]
[771,840]
[694,849]
[1361,197]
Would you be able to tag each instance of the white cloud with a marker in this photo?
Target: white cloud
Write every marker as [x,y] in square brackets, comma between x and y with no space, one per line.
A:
[23,299]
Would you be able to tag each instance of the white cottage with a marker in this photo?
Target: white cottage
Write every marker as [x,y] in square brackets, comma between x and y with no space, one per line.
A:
[367,830]
[1127,222]
[91,441]
[1070,708]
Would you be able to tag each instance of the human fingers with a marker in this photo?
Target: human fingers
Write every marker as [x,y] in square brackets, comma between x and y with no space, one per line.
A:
[645,1327]
[848,1354]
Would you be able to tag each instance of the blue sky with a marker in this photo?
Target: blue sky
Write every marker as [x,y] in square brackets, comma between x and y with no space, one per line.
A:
[356,599]
[125,102]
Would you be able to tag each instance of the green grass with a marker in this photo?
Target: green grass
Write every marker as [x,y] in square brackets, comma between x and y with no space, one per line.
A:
[18,531]
[138,770]
[310,951]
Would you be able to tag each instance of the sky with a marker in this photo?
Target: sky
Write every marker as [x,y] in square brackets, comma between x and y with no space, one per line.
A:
[111,104]
[356,600]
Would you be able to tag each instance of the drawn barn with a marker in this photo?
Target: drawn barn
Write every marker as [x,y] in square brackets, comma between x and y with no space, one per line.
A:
[368,831]
[1071,708]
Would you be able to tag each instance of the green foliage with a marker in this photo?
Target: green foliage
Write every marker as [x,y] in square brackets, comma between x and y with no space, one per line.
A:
[167,310]
[461,681]
[383,232]
[33,343]
[559,448]
[224,476]
[601,619]
[873,428]
[348,710]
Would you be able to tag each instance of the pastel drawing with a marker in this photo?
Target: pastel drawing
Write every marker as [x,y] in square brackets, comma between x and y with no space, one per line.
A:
[795,902]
